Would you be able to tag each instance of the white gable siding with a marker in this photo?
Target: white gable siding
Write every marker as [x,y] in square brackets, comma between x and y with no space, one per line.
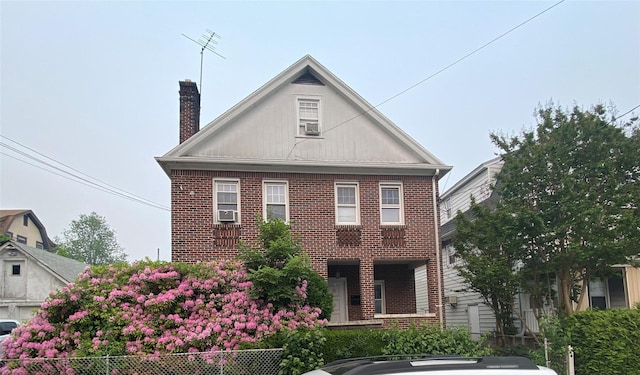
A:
[461,199]
[477,184]
[269,131]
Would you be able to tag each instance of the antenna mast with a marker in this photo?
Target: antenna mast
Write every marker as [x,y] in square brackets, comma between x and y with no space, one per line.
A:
[206,41]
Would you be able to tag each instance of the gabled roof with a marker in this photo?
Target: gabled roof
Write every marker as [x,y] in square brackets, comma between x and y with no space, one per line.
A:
[307,69]
[8,216]
[65,269]
[482,168]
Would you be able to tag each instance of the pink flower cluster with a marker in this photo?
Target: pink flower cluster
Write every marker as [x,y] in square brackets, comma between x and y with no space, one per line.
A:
[153,308]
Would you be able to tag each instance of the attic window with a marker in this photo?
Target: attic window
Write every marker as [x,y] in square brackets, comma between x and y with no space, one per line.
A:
[307,78]
[309,123]
[25,220]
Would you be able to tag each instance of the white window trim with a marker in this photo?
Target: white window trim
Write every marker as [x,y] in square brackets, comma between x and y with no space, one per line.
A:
[356,185]
[318,99]
[215,197]
[391,184]
[451,252]
[382,295]
[447,208]
[286,197]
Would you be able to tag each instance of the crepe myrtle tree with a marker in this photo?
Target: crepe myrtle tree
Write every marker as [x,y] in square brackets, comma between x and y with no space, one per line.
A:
[568,205]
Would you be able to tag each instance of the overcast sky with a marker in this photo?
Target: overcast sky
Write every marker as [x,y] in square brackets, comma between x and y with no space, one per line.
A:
[94,85]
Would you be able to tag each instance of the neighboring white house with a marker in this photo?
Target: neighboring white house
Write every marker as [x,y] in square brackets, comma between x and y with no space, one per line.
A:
[465,308]
[29,275]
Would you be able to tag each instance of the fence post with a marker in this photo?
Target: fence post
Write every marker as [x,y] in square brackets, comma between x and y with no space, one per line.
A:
[107,366]
[546,353]
[570,361]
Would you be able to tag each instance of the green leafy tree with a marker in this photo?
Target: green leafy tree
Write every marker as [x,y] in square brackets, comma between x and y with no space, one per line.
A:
[490,252]
[4,238]
[280,271]
[89,239]
[571,187]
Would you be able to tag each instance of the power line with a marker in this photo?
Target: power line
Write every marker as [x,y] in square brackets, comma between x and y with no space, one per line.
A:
[457,61]
[439,71]
[99,185]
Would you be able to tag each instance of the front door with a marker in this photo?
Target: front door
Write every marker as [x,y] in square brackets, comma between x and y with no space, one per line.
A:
[338,288]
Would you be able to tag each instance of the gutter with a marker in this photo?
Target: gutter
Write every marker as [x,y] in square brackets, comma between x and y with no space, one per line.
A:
[438,255]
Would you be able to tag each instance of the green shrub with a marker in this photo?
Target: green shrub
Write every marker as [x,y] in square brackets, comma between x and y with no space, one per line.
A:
[352,343]
[430,339]
[302,351]
[604,342]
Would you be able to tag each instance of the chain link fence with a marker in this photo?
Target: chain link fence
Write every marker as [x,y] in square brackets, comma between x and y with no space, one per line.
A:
[241,362]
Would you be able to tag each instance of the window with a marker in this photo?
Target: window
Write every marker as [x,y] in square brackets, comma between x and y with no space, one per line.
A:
[39,245]
[347,203]
[379,297]
[276,200]
[447,208]
[391,203]
[451,254]
[15,270]
[308,117]
[226,201]
[9,234]
[22,239]
[25,220]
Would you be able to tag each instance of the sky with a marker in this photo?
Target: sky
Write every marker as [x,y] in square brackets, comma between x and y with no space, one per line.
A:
[90,88]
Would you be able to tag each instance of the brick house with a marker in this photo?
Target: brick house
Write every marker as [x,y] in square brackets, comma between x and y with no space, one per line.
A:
[305,148]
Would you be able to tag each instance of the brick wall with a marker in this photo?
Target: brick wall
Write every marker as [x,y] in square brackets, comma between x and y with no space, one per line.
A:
[195,237]
[189,110]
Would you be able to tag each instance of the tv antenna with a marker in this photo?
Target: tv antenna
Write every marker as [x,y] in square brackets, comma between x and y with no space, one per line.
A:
[207,41]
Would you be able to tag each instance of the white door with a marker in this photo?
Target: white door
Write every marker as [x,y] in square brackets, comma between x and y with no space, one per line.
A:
[338,287]
[474,321]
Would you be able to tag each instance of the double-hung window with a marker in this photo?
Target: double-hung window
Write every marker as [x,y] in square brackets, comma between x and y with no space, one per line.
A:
[226,200]
[391,211]
[347,203]
[21,239]
[275,200]
[308,116]
[447,208]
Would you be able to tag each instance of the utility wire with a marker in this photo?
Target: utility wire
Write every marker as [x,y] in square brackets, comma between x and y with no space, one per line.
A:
[453,63]
[99,185]
[439,71]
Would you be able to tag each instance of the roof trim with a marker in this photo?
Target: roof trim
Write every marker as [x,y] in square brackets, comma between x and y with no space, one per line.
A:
[478,170]
[28,252]
[287,76]
[298,166]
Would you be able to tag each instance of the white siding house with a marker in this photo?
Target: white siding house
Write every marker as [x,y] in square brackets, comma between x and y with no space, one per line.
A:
[465,308]
[27,277]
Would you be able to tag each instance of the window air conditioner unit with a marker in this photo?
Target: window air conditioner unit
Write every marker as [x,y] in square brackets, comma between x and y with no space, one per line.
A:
[227,215]
[452,300]
[311,128]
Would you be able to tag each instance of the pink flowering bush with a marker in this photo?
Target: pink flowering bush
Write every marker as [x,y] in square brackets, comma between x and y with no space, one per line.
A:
[154,308]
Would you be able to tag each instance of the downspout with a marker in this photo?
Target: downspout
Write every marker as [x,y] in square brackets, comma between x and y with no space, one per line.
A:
[437,235]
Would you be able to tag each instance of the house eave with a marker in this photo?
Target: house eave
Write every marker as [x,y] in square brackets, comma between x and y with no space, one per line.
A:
[300,166]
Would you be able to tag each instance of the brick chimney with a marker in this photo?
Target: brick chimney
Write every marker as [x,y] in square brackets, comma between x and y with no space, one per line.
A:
[189,109]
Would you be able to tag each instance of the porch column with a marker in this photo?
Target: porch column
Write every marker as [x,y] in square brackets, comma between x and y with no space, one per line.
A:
[367,295]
